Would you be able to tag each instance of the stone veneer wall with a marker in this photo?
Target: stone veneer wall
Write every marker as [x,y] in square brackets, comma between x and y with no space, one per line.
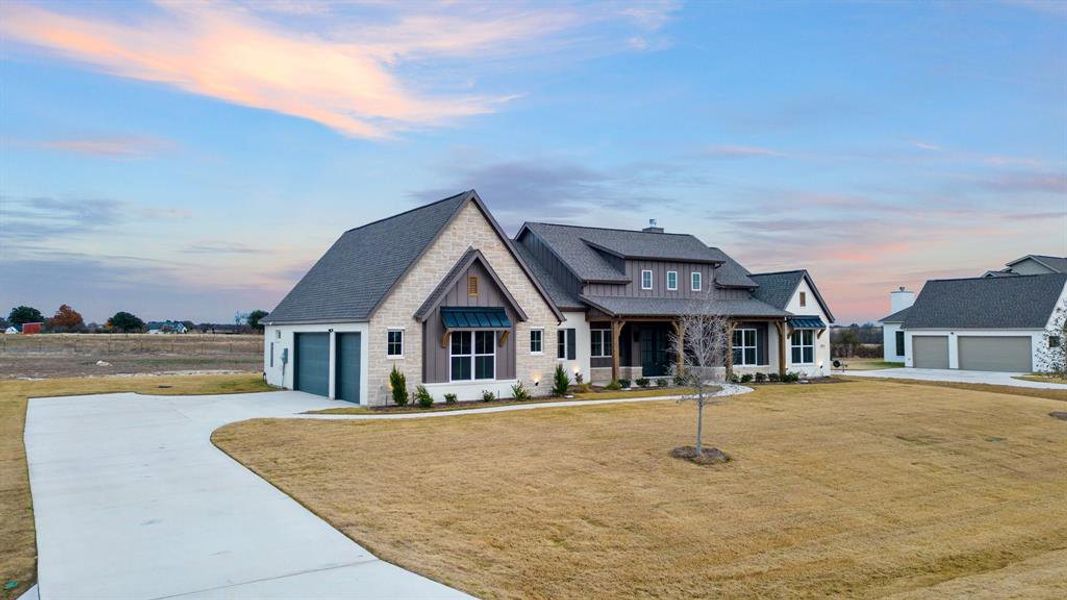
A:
[469,228]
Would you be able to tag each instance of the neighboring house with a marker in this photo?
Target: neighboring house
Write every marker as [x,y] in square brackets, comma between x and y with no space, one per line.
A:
[1002,323]
[11,330]
[158,327]
[900,300]
[442,294]
[1031,264]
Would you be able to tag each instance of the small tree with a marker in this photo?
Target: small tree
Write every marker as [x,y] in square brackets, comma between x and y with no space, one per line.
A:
[66,319]
[21,315]
[254,317]
[398,382]
[125,322]
[703,336]
[561,382]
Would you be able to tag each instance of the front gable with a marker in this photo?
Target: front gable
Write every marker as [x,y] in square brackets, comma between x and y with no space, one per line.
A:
[471,282]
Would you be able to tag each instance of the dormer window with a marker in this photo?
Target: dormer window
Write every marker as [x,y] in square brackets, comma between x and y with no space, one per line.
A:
[646,279]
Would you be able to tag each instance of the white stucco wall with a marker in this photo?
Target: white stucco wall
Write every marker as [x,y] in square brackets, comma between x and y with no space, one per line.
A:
[821,366]
[889,343]
[279,338]
[583,349]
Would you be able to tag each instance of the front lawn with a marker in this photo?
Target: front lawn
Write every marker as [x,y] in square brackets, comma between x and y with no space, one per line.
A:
[18,548]
[859,489]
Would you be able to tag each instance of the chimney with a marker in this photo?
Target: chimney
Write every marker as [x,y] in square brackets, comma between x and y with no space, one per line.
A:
[652,228]
[900,298]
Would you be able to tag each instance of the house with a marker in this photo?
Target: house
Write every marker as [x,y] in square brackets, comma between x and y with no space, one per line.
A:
[11,330]
[159,327]
[1008,323]
[1031,264]
[900,300]
[442,294]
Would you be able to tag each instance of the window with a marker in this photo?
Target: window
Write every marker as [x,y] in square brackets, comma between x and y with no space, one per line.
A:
[900,343]
[1053,341]
[277,334]
[566,344]
[272,354]
[537,341]
[803,347]
[473,355]
[803,299]
[600,343]
[696,281]
[646,279]
[472,286]
[394,344]
[672,280]
[745,347]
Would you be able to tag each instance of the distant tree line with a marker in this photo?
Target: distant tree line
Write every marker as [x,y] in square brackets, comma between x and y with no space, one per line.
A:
[67,320]
[856,340]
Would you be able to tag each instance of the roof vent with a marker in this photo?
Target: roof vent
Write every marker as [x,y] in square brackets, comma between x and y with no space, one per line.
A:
[652,228]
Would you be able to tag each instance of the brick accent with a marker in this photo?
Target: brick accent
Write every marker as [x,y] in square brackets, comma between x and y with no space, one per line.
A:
[469,228]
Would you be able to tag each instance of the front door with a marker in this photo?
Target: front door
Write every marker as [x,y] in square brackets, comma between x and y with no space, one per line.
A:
[655,361]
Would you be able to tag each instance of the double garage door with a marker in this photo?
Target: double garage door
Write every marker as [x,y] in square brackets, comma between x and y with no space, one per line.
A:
[976,353]
[311,364]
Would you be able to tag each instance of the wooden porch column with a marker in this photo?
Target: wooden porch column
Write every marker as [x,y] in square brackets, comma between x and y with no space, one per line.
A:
[781,346]
[616,330]
[679,340]
[730,325]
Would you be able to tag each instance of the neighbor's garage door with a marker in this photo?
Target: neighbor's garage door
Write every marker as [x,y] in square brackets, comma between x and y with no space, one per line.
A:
[988,353]
[312,363]
[929,351]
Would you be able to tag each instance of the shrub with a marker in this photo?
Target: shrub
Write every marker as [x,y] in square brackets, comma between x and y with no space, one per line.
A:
[450,398]
[579,378]
[734,378]
[519,392]
[583,388]
[761,377]
[642,382]
[399,384]
[662,382]
[679,380]
[791,377]
[422,396]
[614,385]
[624,383]
[561,382]
[488,396]
[747,377]
[773,377]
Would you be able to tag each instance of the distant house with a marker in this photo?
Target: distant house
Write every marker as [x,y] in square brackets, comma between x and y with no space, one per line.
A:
[441,293]
[11,330]
[1010,320]
[159,327]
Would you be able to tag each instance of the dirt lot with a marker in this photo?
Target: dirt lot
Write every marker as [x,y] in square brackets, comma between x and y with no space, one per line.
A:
[862,489]
[62,355]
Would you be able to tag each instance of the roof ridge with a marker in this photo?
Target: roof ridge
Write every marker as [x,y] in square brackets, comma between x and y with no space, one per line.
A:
[778,272]
[610,229]
[984,278]
[411,210]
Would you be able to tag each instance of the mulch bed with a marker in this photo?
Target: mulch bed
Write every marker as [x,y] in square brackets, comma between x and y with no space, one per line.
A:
[708,456]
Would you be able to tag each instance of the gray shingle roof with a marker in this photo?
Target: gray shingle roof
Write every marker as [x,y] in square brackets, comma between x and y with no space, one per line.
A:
[777,289]
[1023,302]
[559,293]
[1056,263]
[349,281]
[897,317]
[665,307]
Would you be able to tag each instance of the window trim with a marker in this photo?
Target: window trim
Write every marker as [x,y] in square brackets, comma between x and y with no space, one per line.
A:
[605,342]
[540,341]
[388,333]
[566,342]
[696,281]
[743,347]
[671,288]
[803,299]
[793,345]
[473,356]
[650,279]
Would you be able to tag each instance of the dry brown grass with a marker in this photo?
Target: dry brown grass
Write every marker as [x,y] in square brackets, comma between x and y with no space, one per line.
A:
[859,489]
[18,549]
[1010,390]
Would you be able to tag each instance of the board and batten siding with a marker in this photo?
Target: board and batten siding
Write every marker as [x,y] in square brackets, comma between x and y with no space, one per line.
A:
[659,282]
[435,358]
[548,261]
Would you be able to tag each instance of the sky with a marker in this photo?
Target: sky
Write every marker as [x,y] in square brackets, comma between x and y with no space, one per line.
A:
[188,160]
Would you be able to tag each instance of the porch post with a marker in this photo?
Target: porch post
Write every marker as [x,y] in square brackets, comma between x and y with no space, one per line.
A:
[616,330]
[781,346]
[730,325]
[679,339]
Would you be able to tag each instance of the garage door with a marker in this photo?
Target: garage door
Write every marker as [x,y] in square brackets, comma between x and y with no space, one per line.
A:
[929,351]
[988,353]
[347,365]
[312,363]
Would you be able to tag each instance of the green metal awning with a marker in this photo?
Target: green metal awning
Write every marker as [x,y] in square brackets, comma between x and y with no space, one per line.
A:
[811,322]
[475,318]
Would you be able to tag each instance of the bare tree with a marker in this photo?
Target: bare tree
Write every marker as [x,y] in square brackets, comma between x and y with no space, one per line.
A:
[702,337]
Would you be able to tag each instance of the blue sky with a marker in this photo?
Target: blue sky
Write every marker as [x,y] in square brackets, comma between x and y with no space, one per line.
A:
[185,160]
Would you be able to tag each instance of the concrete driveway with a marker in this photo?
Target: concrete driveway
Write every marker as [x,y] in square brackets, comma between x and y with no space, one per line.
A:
[953,375]
[131,500]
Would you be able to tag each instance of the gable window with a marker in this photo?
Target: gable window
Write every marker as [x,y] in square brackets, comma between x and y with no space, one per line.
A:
[646,279]
[472,355]
[472,286]
[899,343]
[696,282]
[803,347]
[600,343]
[745,347]
[803,299]
[566,344]
[537,341]
[394,344]
[672,280]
